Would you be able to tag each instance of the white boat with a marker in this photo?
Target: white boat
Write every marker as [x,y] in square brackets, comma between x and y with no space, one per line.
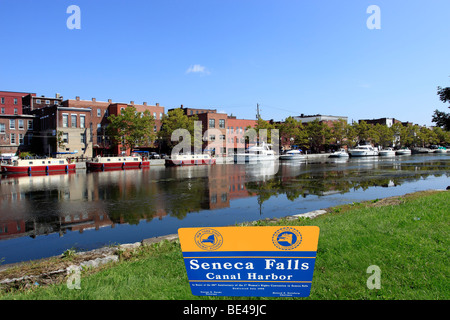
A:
[441,150]
[363,151]
[388,152]
[341,153]
[293,155]
[255,154]
[403,152]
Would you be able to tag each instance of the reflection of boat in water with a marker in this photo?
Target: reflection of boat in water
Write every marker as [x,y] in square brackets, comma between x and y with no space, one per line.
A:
[263,169]
[117,162]
[403,152]
[293,155]
[363,151]
[388,152]
[421,150]
[341,153]
[29,166]
[190,159]
[255,154]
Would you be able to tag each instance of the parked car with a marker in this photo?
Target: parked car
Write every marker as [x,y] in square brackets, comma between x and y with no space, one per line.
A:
[154,155]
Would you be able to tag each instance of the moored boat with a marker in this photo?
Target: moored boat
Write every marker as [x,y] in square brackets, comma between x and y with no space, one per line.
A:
[403,152]
[30,166]
[341,153]
[117,162]
[441,150]
[363,151]
[255,154]
[388,152]
[190,159]
[292,155]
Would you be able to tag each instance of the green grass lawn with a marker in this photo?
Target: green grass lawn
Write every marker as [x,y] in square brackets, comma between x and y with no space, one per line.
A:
[408,240]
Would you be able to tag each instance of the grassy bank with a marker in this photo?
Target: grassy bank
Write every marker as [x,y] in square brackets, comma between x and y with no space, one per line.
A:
[406,237]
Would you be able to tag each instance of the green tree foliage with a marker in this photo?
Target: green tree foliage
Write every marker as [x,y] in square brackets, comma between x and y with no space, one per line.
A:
[176,119]
[442,119]
[293,132]
[131,128]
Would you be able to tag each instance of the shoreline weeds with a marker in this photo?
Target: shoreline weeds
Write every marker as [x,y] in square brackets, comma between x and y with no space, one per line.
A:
[55,269]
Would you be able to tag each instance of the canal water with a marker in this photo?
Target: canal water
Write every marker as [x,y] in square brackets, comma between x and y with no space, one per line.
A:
[42,216]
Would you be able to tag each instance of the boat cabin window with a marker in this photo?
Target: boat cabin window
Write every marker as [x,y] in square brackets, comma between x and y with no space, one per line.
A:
[119,159]
[30,162]
[43,162]
[61,161]
[135,159]
[108,159]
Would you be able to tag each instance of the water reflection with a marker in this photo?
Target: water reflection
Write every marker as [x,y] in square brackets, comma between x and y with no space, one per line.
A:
[57,204]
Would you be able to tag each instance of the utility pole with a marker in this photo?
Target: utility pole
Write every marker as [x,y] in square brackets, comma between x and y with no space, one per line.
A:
[257,111]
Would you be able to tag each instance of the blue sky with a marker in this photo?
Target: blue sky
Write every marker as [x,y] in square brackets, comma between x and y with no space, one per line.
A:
[289,56]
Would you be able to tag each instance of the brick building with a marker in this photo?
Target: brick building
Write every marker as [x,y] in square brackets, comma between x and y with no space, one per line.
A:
[222,134]
[16,128]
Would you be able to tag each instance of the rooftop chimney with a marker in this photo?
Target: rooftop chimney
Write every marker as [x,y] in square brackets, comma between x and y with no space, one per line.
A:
[157,104]
[109,100]
[144,103]
[77,98]
[132,103]
[93,99]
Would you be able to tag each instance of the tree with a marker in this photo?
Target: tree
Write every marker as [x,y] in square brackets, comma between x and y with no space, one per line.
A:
[131,128]
[339,132]
[384,135]
[442,119]
[293,132]
[176,119]
[264,125]
[319,134]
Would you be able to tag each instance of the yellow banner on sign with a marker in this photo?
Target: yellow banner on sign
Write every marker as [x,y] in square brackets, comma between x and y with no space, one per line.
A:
[276,238]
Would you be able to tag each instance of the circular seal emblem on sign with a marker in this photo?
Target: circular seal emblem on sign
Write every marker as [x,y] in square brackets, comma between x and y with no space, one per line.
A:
[286,238]
[208,239]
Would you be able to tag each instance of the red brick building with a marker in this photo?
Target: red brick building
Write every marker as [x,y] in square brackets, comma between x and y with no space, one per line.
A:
[16,128]
[222,134]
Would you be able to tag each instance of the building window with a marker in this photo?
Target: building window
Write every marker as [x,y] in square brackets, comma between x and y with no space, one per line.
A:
[222,123]
[73,122]
[2,128]
[30,125]
[38,101]
[82,121]
[222,137]
[65,137]
[3,110]
[65,118]
[160,115]
[15,100]
[20,124]
[99,113]
[12,124]
[47,101]
[154,115]
[56,102]
[20,138]
[154,128]
[212,123]
[3,100]
[13,138]
[16,111]
[212,137]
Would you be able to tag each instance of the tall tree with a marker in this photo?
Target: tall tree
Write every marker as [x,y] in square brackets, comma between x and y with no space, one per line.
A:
[441,118]
[176,119]
[131,128]
[293,132]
